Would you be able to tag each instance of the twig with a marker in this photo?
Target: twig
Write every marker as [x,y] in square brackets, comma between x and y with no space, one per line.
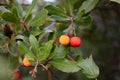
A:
[6,45]
[49,75]
[72,24]
[44,67]
[33,72]
[24,25]
[46,61]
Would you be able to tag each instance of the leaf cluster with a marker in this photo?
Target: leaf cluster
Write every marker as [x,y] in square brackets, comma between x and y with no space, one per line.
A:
[36,36]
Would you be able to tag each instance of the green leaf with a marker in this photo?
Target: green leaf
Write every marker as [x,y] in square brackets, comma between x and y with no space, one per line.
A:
[65,65]
[18,9]
[85,20]
[31,7]
[59,18]
[79,15]
[78,3]
[0,14]
[69,6]
[24,49]
[53,10]
[41,36]
[3,9]
[34,43]
[75,51]
[18,28]
[28,18]
[59,52]
[46,50]
[89,68]
[88,5]
[118,1]
[35,33]
[15,12]
[19,37]
[40,18]
[10,17]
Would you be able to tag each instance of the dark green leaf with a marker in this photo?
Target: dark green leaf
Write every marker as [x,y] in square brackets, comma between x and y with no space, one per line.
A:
[31,7]
[65,65]
[24,49]
[46,50]
[15,12]
[75,51]
[35,33]
[78,3]
[79,58]
[59,18]
[60,52]
[69,6]
[89,68]
[18,28]
[34,43]
[40,18]
[85,20]
[79,15]
[88,5]
[10,17]
[61,8]
[18,8]
[118,1]
[41,36]
[55,11]
[28,18]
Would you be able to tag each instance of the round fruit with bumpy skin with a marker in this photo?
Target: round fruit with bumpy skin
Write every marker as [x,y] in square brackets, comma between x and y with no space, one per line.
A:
[17,75]
[75,41]
[64,39]
[26,61]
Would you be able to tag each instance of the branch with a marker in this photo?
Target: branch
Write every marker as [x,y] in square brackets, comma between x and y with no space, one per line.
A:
[33,72]
[44,67]
[24,25]
[70,57]
[49,75]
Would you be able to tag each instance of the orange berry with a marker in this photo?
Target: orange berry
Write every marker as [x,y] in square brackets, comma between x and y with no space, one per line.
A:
[17,75]
[64,39]
[75,42]
[26,61]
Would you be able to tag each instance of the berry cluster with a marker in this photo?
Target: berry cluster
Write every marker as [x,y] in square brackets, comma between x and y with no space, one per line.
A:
[27,63]
[73,41]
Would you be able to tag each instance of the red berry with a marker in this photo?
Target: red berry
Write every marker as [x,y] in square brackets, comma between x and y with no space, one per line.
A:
[75,41]
[17,75]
